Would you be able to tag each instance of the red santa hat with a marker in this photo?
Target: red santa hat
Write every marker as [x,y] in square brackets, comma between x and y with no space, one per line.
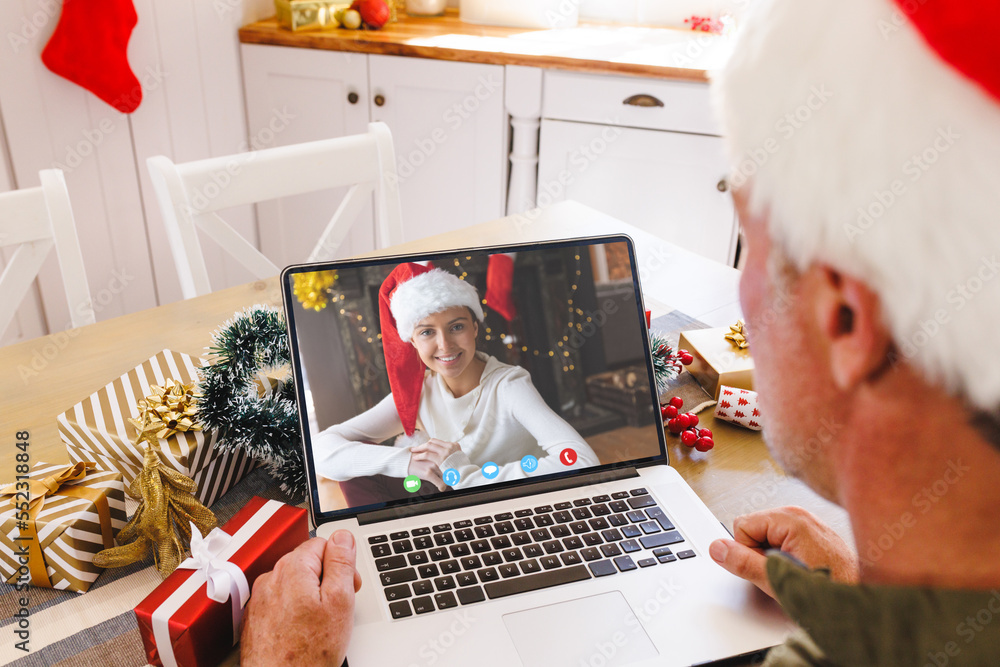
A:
[868,133]
[407,295]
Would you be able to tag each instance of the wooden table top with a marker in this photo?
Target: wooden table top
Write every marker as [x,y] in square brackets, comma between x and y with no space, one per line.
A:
[591,47]
[41,378]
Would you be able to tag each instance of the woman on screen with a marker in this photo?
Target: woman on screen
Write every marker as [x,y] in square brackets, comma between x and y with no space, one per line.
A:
[452,408]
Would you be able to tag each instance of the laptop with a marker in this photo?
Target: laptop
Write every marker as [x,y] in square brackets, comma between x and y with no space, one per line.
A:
[557,535]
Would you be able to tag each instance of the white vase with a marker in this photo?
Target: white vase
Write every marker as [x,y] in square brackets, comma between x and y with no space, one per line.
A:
[425,7]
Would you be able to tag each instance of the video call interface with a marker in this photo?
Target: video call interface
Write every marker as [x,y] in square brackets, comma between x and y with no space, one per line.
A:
[550,381]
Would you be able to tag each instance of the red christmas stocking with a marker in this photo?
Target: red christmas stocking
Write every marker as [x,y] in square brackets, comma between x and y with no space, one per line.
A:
[89,47]
[499,285]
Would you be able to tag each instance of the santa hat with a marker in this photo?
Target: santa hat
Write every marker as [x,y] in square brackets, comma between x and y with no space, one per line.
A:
[409,294]
[868,132]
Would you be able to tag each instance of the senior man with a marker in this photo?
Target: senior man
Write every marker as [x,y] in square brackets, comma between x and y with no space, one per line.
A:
[865,144]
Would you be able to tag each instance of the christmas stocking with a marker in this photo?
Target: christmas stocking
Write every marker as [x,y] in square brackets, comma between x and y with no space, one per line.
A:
[499,284]
[89,47]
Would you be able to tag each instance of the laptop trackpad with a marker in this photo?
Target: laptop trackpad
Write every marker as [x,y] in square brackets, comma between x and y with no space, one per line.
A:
[596,630]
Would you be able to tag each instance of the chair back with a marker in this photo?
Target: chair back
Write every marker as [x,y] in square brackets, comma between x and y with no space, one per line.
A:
[189,195]
[37,220]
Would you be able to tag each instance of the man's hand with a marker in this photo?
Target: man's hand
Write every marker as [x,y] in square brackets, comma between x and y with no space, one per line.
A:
[793,530]
[302,612]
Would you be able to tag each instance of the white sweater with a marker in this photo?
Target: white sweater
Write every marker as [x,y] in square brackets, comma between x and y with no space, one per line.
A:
[501,420]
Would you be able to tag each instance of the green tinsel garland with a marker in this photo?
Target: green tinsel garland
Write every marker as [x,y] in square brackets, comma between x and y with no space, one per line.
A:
[267,428]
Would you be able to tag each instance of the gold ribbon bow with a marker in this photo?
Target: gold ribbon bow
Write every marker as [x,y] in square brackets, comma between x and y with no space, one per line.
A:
[169,409]
[54,485]
[738,335]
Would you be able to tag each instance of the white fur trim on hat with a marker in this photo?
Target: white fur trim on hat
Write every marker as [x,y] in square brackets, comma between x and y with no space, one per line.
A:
[866,151]
[430,293]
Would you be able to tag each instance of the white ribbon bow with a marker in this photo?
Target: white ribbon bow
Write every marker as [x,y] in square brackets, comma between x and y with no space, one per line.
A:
[225,580]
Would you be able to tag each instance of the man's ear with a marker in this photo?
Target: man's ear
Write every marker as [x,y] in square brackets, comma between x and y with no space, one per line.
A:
[850,319]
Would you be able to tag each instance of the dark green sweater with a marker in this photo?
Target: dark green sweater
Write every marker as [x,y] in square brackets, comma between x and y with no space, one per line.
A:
[895,626]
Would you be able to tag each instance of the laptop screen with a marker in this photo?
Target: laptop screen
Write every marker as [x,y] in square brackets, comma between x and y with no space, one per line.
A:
[443,374]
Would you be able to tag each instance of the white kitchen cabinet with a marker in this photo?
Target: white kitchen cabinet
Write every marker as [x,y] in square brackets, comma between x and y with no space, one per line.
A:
[659,167]
[448,126]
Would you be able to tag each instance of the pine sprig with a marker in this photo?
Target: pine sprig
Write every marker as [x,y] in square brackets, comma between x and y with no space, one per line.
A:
[267,428]
[666,361]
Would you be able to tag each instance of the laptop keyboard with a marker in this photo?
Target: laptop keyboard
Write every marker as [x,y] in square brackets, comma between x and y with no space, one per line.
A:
[451,564]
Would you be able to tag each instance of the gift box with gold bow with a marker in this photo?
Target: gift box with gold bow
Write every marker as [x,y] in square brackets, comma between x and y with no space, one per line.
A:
[55,520]
[102,427]
[721,357]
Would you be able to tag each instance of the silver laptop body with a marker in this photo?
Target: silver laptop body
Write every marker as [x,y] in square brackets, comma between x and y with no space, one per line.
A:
[606,565]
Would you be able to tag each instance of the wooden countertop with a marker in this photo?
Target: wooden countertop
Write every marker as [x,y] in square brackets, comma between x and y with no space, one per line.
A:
[590,47]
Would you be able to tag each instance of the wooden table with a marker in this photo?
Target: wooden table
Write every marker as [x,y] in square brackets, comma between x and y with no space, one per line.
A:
[41,378]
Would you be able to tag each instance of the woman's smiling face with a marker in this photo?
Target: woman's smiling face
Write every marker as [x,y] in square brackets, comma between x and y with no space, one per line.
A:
[446,341]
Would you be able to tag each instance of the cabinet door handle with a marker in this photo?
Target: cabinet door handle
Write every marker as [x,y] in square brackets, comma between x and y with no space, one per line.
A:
[722,185]
[352,97]
[379,100]
[643,100]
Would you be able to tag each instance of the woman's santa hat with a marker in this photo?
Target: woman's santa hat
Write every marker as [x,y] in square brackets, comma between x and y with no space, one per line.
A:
[869,134]
[409,294]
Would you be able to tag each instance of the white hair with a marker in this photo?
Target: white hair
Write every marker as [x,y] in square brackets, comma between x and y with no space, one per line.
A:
[869,153]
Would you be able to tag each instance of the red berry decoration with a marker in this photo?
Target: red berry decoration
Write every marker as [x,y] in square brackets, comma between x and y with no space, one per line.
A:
[668,411]
[677,402]
[704,444]
[684,420]
[375,13]
[686,358]
[674,426]
[704,433]
[694,418]
[689,438]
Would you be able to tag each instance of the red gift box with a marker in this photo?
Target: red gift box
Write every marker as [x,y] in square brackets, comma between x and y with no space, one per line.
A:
[201,630]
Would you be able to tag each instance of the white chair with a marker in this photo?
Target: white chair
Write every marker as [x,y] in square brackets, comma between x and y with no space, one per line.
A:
[190,193]
[38,219]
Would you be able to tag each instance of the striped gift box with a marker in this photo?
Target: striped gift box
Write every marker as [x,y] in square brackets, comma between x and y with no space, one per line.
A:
[97,429]
[69,529]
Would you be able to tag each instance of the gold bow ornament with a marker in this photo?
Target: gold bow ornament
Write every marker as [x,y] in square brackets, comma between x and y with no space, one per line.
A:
[169,409]
[43,500]
[738,335]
